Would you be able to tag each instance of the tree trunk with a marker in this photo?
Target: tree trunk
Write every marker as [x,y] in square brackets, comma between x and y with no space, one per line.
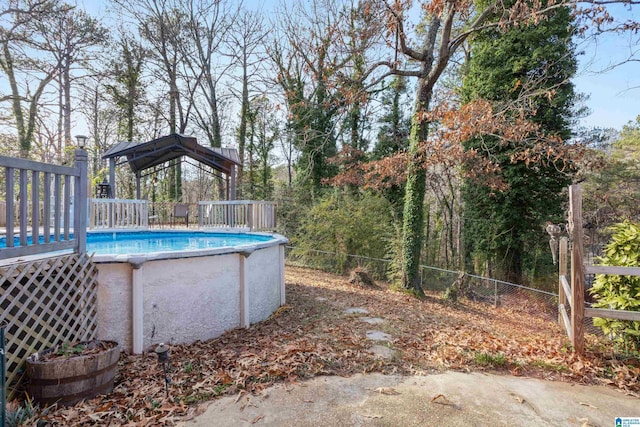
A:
[252,178]
[61,154]
[175,175]
[66,82]
[7,66]
[132,84]
[215,117]
[244,110]
[413,216]
[413,224]
[510,263]
[95,131]
[355,128]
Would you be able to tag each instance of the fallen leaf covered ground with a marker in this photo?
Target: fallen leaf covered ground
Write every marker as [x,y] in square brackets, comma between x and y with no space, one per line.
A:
[314,335]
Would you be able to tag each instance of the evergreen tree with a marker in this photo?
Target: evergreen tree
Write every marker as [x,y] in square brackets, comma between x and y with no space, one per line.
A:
[312,116]
[127,90]
[262,132]
[532,62]
[393,136]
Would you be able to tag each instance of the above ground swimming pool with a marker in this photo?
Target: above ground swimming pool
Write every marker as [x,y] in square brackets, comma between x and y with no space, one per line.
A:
[151,243]
[178,287]
[159,244]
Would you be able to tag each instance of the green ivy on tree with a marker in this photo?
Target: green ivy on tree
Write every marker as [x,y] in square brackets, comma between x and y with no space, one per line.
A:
[533,62]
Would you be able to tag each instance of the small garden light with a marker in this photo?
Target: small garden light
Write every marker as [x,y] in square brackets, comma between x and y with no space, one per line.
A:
[162,351]
[82,141]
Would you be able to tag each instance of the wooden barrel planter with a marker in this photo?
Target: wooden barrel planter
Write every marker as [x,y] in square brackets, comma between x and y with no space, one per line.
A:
[67,379]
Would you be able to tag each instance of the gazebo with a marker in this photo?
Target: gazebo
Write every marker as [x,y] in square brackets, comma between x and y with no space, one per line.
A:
[146,155]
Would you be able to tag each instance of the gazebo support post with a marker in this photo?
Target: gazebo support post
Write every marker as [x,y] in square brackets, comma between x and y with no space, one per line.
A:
[138,185]
[112,178]
[232,187]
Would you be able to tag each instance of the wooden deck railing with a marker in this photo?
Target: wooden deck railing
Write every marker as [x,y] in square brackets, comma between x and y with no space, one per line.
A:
[251,214]
[45,206]
[16,213]
[571,288]
[124,213]
[118,213]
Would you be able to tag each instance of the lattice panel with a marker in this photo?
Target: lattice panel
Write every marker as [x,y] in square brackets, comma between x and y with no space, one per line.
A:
[43,303]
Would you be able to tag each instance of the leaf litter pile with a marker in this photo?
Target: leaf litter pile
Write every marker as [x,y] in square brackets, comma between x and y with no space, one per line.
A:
[66,350]
[316,334]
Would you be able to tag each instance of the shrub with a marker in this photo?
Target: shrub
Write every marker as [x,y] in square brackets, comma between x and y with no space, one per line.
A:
[490,359]
[620,292]
[341,225]
[21,414]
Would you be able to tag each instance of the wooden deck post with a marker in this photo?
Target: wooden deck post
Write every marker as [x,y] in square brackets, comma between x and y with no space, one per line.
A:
[23,206]
[80,202]
[10,212]
[562,271]
[577,270]
[35,206]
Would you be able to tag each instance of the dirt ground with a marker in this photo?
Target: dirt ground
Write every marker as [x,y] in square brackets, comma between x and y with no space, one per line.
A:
[434,399]
[451,399]
[319,360]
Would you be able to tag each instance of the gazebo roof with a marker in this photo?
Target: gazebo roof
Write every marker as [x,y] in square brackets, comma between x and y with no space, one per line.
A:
[141,156]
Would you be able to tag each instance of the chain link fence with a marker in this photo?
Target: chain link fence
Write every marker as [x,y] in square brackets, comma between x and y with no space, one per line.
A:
[531,301]
[527,300]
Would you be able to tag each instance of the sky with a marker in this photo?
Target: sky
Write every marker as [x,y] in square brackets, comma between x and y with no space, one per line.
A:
[614,94]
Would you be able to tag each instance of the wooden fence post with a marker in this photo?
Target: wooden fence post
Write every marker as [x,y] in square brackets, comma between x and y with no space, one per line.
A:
[577,270]
[562,271]
[80,202]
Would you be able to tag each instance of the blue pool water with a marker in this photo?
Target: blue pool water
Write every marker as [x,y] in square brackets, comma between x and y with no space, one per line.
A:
[143,242]
[148,242]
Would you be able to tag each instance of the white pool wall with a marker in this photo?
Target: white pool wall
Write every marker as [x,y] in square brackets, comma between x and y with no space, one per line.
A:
[182,297]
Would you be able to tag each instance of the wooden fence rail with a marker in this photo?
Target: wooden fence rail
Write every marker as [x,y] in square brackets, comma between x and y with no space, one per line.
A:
[124,213]
[47,210]
[16,213]
[118,213]
[571,305]
[251,214]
